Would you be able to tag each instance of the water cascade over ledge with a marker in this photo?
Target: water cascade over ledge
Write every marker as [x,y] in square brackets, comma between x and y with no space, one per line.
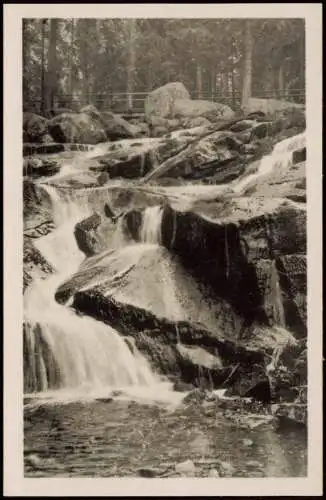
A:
[71,356]
[67,352]
[281,157]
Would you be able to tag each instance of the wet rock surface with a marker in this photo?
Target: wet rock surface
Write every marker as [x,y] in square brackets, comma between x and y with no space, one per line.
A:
[198,356]
[38,215]
[40,167]
[82,128]
[35,265]
[85,234]
[38,222]
[240,364]
[242,242]
[52,148]
[136,158]
[244,251]
[118,128]
[35,127]
[201,158]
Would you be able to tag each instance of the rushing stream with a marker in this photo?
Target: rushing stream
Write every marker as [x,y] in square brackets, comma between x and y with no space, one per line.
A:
[82,357]
[93,404]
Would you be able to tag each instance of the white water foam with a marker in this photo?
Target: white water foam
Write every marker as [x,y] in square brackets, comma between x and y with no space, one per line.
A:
[151,230]
[281,157]
[182,197]
[88,353]
[87,357]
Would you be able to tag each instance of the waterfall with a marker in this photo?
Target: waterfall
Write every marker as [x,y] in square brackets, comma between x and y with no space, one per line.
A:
[70,351]
[59,247]
[65,352]
[151,228]
[281,157]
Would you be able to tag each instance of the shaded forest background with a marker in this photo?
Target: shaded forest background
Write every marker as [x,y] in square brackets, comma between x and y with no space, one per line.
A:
[114,63]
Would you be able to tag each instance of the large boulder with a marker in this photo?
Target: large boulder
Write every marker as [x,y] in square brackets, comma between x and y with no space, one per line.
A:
[206,156]
[160,102]
[39,167]
[270,227]
[81,128]
[187,108]
[118,128]
[137,158]
[194,353]
[269,106]
[35,127]
[162,312]
[174,347]
[227,247]
[85,234]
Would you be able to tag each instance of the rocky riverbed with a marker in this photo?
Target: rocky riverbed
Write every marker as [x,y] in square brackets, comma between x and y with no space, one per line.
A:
[112,438]
[176,259]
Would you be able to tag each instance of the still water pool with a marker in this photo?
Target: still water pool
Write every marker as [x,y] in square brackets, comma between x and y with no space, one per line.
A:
[118,438]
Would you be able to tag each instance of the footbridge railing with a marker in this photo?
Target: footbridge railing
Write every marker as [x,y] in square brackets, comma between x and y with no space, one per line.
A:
[122,102]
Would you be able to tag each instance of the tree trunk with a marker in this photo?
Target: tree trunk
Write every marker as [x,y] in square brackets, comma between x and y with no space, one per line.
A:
[26,102]
[247,66]
[43,97]
[71,52]
[149,78]
[233,74]
[225,80]
[213,84]
[281,82]
[52,79]
[269,82]
[199,82]
[85,62]
[302,75]
[131,61]
[107,102]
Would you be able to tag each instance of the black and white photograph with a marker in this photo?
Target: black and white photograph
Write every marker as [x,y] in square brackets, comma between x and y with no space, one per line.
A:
[165,246]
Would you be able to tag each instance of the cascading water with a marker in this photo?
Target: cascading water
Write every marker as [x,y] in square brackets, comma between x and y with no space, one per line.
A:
[72,355]
[151,225]
[281,156]
[182,197]
[66,351]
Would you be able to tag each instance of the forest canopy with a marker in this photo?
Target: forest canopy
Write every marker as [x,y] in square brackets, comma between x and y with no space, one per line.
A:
[114,63]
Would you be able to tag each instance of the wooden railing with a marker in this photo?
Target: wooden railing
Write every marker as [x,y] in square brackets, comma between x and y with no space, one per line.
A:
[121,102]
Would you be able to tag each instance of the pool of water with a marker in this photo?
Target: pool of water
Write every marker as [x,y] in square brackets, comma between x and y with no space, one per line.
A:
[118,438]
